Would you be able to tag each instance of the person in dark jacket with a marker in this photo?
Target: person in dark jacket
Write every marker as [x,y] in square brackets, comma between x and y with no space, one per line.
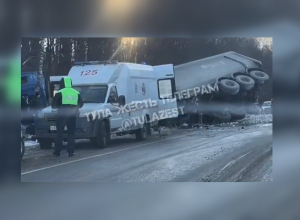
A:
[67,101]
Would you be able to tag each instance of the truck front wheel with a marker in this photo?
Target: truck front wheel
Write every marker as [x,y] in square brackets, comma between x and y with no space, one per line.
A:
[238,115]
[103,136]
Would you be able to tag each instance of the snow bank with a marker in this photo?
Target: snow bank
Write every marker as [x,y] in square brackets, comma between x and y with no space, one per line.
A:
[31,144]
[250,120]
[257,119]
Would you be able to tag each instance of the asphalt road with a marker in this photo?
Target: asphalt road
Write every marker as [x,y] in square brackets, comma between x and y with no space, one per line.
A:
[187,155]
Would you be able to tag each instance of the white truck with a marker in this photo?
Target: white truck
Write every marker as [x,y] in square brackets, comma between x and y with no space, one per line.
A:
[119,98]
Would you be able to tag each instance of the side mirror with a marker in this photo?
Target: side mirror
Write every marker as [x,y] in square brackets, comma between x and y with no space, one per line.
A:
[121,100]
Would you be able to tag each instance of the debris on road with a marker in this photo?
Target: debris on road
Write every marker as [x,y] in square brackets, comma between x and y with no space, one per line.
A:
[257,119]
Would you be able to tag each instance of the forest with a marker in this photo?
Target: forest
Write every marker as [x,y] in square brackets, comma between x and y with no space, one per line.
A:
[55,55]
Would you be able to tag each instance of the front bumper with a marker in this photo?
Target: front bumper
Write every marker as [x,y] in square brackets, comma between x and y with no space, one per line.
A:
[84,129]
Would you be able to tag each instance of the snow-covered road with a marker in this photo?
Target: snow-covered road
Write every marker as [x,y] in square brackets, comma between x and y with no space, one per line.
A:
[205,154]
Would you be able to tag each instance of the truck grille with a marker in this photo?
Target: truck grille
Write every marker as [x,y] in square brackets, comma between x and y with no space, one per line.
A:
[50,117]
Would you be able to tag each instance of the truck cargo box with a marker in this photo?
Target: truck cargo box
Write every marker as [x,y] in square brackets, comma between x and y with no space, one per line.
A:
[206,71]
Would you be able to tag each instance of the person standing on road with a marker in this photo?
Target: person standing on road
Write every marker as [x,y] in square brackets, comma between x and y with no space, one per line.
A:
[67,101]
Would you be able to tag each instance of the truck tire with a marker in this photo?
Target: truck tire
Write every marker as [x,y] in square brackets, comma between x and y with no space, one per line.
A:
[45,143]
[253,109]
[245,82]
[237,113]
[229,86]
[103,136]
[222,116]
[259,76]
[141,134]
[22,147]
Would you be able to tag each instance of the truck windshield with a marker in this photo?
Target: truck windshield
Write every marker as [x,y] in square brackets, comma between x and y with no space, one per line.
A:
[92,94]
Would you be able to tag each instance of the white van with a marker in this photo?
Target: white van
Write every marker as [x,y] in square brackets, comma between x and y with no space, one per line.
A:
[119,98]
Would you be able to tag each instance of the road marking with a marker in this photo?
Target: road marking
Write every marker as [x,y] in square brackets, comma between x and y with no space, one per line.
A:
[227,165]
[99,155]
[243,155]
[234,161]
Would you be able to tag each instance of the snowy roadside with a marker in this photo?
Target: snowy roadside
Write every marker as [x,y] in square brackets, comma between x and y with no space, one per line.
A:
[32,147]
[250,120]
[203,146]
[257,119]
[260,120]
[32,144]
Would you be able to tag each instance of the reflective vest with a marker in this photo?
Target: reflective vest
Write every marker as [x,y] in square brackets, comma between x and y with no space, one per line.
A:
[69,96]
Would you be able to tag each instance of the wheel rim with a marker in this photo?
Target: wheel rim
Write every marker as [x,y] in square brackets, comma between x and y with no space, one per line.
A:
[245,79]
[259,74]
[229,83]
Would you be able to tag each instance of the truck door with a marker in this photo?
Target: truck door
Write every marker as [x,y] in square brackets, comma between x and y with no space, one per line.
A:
[166,97]
[117,116]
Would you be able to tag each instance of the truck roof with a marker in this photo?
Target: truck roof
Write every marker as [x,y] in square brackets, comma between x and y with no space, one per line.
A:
[92,73]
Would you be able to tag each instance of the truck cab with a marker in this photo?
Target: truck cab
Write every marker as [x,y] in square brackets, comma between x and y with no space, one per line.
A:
[33,95]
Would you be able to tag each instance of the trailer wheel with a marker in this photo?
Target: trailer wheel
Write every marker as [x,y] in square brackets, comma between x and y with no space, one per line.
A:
[229,86]
[45,143]
[246,82]
[259,76]
[103,136]
[141,134]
